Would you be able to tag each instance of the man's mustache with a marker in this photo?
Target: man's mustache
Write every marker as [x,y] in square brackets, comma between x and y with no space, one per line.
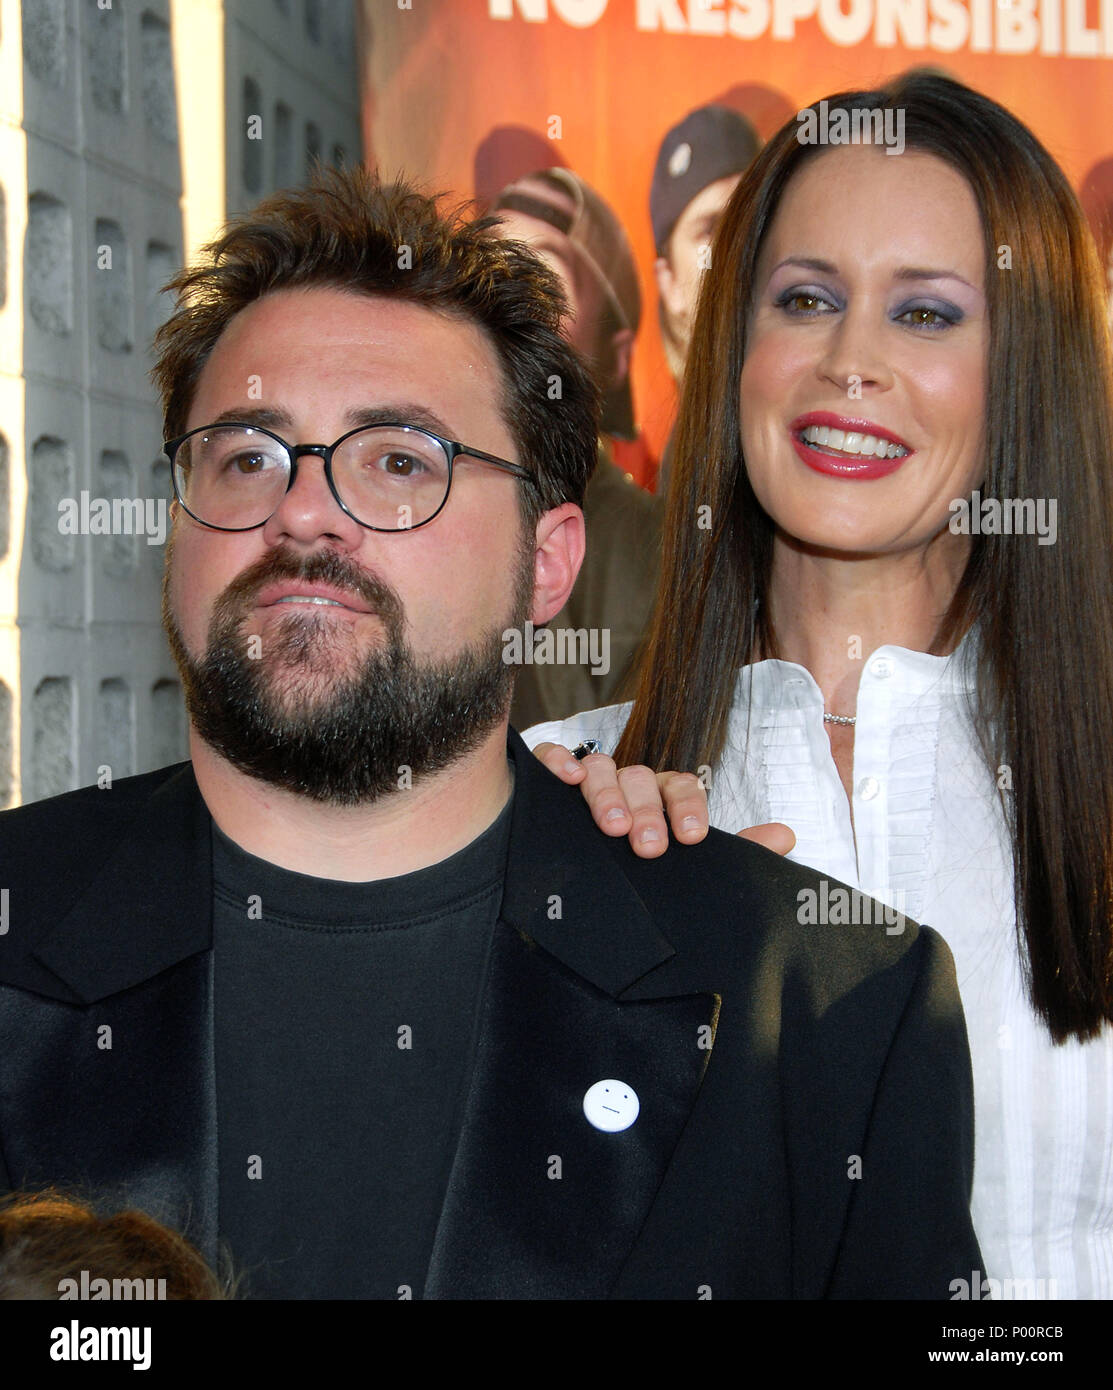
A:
[324,567]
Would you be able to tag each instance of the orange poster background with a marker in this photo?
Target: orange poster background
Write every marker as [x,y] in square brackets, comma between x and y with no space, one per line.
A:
[440,76]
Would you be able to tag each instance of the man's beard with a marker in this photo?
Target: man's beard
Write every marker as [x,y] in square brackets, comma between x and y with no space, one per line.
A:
[343,740]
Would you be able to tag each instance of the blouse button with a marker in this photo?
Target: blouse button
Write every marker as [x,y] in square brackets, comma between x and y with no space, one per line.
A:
[881,667]
[868,788]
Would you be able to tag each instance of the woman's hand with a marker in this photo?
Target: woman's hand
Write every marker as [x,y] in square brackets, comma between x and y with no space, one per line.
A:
[634,801]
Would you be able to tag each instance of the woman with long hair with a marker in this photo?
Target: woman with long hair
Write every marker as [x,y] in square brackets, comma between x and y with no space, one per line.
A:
[884,608]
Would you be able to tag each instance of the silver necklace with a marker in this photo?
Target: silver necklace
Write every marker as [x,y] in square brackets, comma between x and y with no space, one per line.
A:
[850,719]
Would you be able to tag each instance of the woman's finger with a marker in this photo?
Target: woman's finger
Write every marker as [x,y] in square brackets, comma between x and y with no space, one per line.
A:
[605,795]
[559,760]
[685,805]
[649,835]
[775,835]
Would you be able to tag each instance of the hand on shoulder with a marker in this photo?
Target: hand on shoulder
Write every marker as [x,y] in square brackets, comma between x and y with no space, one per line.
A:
[644,805]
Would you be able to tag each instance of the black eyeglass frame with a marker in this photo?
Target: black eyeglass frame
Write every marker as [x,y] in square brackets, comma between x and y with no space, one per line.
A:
[452,448]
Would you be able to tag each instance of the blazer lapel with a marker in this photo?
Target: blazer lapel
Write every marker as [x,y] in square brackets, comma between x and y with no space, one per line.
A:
[540,1203]
[122,1097]
[156,885]
[123,1089]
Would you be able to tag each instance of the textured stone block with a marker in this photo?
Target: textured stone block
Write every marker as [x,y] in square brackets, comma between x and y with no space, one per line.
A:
[52,479]
[251,137]
[168,743]
[48,264]
[159,101]
[162,262]
[114,729]
[117,552]
[312,147]
[44,40]
[285,172]
[106,56]
[111,277]
[52,738]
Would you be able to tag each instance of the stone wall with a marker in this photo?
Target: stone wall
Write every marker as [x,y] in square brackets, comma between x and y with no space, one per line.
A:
[91,226]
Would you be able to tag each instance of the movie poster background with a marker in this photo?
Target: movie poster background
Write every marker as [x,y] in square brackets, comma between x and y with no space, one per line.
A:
[595,84]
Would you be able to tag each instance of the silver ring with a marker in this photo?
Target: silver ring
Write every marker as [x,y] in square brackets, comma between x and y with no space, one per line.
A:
[589,746]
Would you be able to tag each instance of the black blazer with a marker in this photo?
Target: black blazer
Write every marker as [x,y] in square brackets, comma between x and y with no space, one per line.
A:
[823,1147]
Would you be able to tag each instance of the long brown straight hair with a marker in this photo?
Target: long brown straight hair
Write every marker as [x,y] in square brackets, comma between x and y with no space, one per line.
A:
[1044,613]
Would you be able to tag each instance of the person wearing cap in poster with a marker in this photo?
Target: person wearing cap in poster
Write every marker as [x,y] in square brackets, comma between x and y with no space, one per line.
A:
[565,221]
[698,167]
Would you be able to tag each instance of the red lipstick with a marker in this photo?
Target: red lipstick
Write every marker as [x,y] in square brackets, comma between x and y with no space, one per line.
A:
[849,466]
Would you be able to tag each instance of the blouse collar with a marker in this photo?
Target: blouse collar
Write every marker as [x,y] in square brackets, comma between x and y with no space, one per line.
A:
[771,684]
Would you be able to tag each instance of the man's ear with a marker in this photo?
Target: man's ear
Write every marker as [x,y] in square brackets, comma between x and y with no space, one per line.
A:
[559,547]
[666,286]
[620,349]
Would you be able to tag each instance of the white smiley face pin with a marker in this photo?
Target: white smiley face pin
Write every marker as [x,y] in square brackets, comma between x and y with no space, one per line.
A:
[611,1105]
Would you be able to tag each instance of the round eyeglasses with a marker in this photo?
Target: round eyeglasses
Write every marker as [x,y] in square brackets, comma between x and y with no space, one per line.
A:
[388,477]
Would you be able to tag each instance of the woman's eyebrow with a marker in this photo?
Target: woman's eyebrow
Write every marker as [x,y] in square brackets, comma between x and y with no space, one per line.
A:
[911,272]
[920,273]
[807,263]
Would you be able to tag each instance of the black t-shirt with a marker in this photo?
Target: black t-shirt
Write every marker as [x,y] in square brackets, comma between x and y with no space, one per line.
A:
[344,1031]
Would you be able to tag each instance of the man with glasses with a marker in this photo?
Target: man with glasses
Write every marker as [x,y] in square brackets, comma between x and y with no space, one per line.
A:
[359,992]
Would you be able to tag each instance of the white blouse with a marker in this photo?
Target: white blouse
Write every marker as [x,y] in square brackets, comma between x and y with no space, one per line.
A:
[931,841]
